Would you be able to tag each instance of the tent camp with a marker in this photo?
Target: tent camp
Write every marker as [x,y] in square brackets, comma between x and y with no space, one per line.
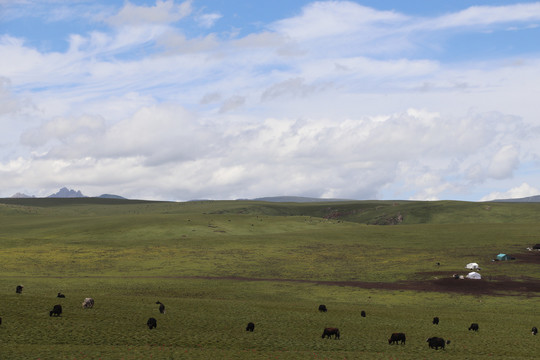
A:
[502,257]
[474,275]
[472,266]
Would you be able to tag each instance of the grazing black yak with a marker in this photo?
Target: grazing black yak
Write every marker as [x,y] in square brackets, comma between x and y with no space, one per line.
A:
[437,342]
[161,307]
[328,332]
[18,289]
[436,320]
[88,303]
[534,330]
[250,327]
[152,323]
[322,308]
[363,313]
[56,311]
[0,321]
[395,337]
[60,295]
[474,327]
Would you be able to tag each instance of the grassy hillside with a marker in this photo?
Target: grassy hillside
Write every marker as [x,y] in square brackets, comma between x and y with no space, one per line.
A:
[413,212]
[219,264]
[292,241]
[367,212]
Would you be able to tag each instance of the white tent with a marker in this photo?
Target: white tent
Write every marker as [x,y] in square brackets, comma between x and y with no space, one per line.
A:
[474,275]
[472,266]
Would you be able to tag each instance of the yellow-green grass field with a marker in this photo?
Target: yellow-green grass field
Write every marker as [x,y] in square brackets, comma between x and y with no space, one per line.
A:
[218,265]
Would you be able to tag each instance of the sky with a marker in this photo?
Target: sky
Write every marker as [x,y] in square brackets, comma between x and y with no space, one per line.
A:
[228,99]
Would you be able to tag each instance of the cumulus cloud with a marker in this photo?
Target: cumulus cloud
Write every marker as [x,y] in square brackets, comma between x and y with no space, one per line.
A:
[498,165]
[504,162]
[8,103]
[350,158]
[155,135]
[75,133]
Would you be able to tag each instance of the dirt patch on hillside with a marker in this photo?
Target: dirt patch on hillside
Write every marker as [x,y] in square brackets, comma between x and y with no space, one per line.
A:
[503,287]
[441,283]
[500,287]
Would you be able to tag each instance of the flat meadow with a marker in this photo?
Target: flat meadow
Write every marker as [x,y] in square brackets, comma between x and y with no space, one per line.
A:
[217,265]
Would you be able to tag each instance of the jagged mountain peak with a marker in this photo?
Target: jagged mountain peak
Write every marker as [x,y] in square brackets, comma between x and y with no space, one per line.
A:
[67,193]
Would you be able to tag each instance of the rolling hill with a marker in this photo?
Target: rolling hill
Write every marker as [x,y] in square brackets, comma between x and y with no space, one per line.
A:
[218,265]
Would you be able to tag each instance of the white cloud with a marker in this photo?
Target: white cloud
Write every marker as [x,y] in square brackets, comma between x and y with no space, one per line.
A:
[81,129]
[222,157]
[335,19]
[488,15]
[524,190]
[327,26]
[295,87]
[8,103]
[164,12]
[175,43]
[306,107]
[208,20]
[232,103]
[504,162]
[210,98]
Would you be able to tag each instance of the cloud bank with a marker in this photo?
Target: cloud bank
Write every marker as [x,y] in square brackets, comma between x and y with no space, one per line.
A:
[340,100]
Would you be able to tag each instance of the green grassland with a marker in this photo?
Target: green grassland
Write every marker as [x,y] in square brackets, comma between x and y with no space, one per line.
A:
[217,265]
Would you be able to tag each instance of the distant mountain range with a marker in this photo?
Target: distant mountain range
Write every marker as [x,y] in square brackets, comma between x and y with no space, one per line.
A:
[21,196]
[68,193]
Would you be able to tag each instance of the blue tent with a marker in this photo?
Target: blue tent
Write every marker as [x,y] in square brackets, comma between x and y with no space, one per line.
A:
[503,257]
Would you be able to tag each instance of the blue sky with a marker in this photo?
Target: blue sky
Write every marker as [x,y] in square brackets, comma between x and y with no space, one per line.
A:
[177,100]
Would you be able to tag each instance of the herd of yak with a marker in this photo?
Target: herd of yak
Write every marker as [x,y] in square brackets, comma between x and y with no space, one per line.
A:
[329,332]
[395,338]
[400,338]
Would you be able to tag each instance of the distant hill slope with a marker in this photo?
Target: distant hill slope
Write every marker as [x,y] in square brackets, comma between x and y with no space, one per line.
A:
[376,212]
[111,196]
[295,199]
[21,196]
[535,198]
[399,212]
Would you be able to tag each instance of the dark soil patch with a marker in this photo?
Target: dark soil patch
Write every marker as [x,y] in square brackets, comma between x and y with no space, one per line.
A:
[529,287]
[498,286]
[503,287]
